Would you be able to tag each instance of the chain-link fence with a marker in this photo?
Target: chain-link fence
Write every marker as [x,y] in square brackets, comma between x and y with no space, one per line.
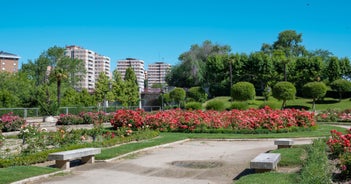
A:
[34,112]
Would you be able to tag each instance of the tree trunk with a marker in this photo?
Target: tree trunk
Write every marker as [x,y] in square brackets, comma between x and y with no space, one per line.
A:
[58,92]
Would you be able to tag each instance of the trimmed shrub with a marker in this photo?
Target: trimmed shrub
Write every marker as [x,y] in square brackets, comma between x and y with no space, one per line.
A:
[243,91]
[215,105]
[198,94]
[178,95]
[314,90]
[341,86]
[284,91]
[240,105]
[193,106]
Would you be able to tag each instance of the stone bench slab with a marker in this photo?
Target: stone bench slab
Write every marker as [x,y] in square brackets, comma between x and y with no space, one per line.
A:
[62,158]
[284,143]
[265,161]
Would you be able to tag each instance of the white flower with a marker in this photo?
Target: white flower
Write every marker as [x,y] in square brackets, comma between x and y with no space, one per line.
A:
[26,130]
[44,130]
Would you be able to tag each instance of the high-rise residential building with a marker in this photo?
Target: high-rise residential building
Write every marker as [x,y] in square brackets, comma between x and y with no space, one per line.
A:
[94,64]
[138,67]
[102,64]
[157,72]
[8,62]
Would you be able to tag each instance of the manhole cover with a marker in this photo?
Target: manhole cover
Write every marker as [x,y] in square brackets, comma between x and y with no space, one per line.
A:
[197,164]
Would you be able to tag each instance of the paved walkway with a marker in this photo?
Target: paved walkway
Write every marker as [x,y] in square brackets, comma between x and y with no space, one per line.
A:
[193,162]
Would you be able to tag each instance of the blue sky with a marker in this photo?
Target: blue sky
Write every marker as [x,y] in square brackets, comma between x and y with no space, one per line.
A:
[160,30]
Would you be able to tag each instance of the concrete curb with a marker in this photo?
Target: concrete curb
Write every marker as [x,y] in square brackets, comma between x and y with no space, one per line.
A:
[36,178]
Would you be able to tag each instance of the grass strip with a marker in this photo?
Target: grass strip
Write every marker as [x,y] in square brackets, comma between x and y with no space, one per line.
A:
[291,156]
[269,177]
[16,173]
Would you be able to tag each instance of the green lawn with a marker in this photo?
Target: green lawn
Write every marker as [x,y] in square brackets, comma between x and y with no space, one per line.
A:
[269,178]
[12,174]
[299,103]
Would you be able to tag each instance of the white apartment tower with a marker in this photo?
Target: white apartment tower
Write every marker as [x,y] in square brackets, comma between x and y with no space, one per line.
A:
[94,64]
[157,72]
[138,67]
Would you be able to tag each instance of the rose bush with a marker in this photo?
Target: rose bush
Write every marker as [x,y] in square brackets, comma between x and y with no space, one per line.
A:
[9,122]
[340,147]
[188,121]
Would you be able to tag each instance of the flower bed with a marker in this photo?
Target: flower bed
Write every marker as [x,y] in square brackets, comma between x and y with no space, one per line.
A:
[340,147]
[9,122]
[84,118]
[334,116]
[201,121]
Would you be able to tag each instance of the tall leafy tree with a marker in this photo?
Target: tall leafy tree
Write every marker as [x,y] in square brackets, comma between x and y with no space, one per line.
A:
[131,87]
[333,71]
[345,68]
[192,66]
[307,69]
[102,87]
[119,89]
[341,86]
[289,42]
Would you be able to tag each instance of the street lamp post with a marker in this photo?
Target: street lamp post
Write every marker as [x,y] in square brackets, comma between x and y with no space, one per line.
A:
[162,99]
[139,97]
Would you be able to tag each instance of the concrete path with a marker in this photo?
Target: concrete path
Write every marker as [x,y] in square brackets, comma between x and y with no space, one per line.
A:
[193,162]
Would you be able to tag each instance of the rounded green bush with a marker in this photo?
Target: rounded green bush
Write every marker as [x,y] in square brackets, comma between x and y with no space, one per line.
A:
[193,106]
[314,90]
[198,94]
[240,105]
[284,91]
[243,91]
[215,105]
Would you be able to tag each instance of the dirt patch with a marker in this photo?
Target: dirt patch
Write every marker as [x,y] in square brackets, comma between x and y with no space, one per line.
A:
[197,164]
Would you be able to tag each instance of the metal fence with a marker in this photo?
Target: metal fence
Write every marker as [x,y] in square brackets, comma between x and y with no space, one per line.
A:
[34,112]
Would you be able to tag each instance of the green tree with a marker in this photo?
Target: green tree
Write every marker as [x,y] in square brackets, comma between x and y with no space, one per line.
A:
[217,75]
[289,42]
[341,86]
[345,67]
[284,91]
[314,90]
[177,95]
[243,91]
[333,71]
[119,89]
[131,87]
[307,69]
[20,87]
[8,99]
[261,69]
[102,87]
[286,48]
[59,75]
[86,99]
[191,71]
[197,94]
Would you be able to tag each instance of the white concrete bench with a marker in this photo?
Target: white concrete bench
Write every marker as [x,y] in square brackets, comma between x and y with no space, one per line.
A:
[284,143]
[62,159]
[265,162]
